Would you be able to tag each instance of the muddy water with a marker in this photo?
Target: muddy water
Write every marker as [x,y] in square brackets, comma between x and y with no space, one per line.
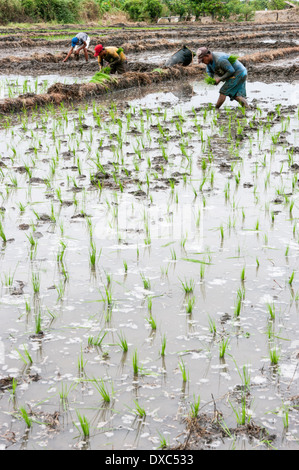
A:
[189,196]
[14,85]
[27,52]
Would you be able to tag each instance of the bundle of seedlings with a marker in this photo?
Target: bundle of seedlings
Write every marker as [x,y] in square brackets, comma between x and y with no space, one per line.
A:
[100,77]
[210,80]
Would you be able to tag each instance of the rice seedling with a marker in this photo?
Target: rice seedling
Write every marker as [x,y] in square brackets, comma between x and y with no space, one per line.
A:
[139,410]
[81,363]
[291,279]
[8,279]
[238,307]
[188,285]
[84,425]
[35,282]
[103,390]
[274,355]
[122,342]
[271,310]
[14,385]
[38,322]
[223,347]
[241,414]
[202,271]
[222,232]
[64,393]
[135,363]
[285,416]
[190,305]
[27,359]
[163,442]
[125,266]
[184,372]
[194,407]
[173,254]
[146,282]
[2,233]
[97,340]
[60,288]
[25,416]
[152,322]
[92,254]
[210,80]
[212,325]
[163,345]
[232,59]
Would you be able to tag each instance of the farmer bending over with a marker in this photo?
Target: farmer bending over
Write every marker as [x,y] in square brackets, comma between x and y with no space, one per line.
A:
[79,42]
[233,75]
[113,55]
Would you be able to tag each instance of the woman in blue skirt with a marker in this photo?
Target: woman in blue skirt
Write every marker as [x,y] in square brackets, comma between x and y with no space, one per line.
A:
[233,75]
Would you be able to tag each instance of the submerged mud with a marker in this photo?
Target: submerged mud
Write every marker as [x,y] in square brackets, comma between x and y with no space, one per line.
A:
[146,216]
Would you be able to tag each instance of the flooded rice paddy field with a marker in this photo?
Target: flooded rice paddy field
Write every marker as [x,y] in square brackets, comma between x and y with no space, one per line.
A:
[11,86]
[110,213]
[149,271]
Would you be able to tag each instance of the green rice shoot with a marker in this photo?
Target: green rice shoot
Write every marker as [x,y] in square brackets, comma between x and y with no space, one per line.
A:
[232,59]
[102,76]
[210,80]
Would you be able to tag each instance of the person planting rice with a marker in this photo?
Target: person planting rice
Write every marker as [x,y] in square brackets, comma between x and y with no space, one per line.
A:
[79,42]
[228,70]
[114,56]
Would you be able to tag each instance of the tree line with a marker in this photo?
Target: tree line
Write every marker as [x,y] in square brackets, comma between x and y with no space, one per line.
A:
[75,11]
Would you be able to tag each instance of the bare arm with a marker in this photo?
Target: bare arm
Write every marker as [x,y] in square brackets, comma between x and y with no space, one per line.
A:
[69,54]
[84,45]
[229,70]
[100,61]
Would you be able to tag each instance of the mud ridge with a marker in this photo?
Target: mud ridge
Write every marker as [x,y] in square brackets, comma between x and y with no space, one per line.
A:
[143,74]
[52,63]
[269,56]
[59,92]
[36,29]
[200,37]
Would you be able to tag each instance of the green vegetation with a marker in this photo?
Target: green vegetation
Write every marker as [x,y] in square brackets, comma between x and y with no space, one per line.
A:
[74,11]
[232,59]
[100,77]
[210,80]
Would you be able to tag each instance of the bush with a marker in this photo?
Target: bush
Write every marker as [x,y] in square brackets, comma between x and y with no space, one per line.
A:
[29,8]
[140,9]
[90,10]
[134,8]
[62,11]
[11,10]
[152,9]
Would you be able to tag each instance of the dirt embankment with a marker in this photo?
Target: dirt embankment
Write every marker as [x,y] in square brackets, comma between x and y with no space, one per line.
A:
[269,56]
[158,38]
[133,35]
[59,92]
[76,92]
[48,63]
